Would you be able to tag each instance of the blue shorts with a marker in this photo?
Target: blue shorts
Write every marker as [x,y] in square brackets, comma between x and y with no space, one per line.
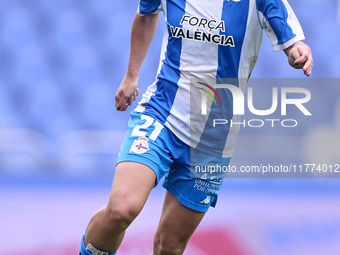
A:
[193,177]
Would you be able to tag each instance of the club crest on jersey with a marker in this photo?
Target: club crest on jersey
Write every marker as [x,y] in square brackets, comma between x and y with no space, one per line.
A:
[140,145]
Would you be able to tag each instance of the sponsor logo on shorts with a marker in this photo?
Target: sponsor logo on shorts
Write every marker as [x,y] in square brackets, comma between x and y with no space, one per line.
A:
[140,145]
[206,201]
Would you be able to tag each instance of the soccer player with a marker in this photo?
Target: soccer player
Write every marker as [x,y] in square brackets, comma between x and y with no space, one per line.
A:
[204,41]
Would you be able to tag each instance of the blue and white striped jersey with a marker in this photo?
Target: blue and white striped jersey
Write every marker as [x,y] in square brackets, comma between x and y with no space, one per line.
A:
[211,40]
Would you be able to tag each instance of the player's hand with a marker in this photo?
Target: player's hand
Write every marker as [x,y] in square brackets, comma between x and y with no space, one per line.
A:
[126,93]
[300,57]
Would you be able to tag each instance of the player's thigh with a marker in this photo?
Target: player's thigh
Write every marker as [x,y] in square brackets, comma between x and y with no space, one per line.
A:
[131,186]
[177,223]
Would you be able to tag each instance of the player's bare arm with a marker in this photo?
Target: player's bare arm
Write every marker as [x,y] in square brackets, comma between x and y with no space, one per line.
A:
[300,57]
[142,33]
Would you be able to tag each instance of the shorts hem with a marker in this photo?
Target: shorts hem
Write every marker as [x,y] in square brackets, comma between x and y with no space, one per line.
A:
[184,201]
[145,161]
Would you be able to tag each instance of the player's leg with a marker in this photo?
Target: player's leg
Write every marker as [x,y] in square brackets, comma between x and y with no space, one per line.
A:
[142,163]
[130,189]
[189,195]
[176,226]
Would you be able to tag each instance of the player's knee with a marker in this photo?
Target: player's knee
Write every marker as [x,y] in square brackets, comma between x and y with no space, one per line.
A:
[120,217]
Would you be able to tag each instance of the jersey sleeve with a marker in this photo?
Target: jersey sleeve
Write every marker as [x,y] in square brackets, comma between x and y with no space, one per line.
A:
[149,7]
[280,23]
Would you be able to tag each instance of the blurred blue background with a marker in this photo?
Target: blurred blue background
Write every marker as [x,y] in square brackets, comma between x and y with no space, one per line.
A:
[60,65]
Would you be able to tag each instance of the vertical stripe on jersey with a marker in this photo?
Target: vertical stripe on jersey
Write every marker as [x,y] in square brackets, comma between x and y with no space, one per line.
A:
[171,64]
[236,23]
[195,64]
[250,50]
[227,73]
